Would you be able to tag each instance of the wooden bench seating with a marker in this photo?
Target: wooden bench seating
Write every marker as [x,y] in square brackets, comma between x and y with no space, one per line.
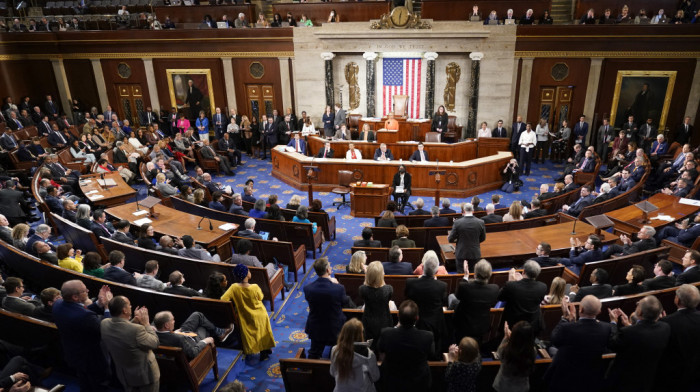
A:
[44,274]
[677,251]
[322,219]
[617,267]
[70,162]
[176,370]
[410,255]
[419,220]
[282,251]
[80,237]
[196,272]
[294,232]
[32,334]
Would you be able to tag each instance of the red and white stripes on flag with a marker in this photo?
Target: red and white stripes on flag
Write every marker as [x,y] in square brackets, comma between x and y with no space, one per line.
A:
[401,77]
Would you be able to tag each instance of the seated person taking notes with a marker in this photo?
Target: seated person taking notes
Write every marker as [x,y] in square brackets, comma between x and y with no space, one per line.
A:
[298,144]
[383,153]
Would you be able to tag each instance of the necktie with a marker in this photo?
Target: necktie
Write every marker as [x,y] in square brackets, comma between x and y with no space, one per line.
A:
[19,125]
[352,154]
[383,156]
[324,152]
[298,149]
[657,147]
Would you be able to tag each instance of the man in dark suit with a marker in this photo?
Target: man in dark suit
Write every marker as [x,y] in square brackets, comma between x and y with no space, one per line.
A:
[100,226]
[535,211]
[430,295]
[325,298]
[15,301]
[490,217]
[405,351]
[684,131]
[584,201]
[326,151]
[469,232]
[298,144]
[401,182]
[631,129]
[176,280]
[367,240]
[148,117]
[587,164]
[12,204]
[249,231]
[419,208]
[37,116]
[662,277]
[339,118]
[51,108]
[209,153]
[518,128]
[394,265]
[234,154]
[193,99]
[691,268]
[543,250]
[220,123]
[41,234]
[7,140]
[523,294]
[638,347]
[499,130]
[436,220]
[645,242]
[580,131]
[580,254]
[599,287]
[269,135]
[383,153]
[79,329]
[121,232]
[52,201]
[681,359]
[604,194]
[446,207]
[420,155]
[580,346]
[13,123]
[197,324]
[56,138]
[474,300]
[115,272]
[284,130]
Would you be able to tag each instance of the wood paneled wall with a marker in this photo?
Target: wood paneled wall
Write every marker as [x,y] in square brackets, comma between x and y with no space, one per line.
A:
[160,66]
[242,76]
[542,77]
[81,80]
[112,79]
[28,77]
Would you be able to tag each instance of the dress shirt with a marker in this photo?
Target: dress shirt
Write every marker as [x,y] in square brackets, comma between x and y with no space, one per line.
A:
[527,138]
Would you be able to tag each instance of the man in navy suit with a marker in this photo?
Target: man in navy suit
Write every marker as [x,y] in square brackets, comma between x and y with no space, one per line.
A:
[298,144]
[108,113]
[325,297]
[100,226]
[581,130]
[518,128]
[436,220]
[218,120]
[580,254]
[54,203]
[51,108]
[7,140]
[587,165]
[580,346]
[419,155]
[691,268]
[683,233]
[499,131]
[584,201]
[394,266]
[468,232]
[79,329]
[627,182]
[116,272]
[446,207]
[269,132]
[383,153]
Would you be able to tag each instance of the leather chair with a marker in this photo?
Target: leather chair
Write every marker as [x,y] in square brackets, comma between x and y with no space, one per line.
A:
[354,125]
[453,132]
[400,105]
[344,179]
[432,137]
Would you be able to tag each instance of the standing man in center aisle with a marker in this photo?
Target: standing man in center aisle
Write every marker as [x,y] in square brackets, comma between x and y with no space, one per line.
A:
[518,129]
[527,143]
[339,118]
[469,232]
[325,298]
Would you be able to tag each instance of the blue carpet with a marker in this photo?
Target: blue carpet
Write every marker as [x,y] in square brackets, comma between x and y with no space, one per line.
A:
[288,322]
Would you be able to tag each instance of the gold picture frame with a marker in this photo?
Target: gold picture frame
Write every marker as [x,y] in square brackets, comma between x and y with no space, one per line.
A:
[630,98]
[178,83]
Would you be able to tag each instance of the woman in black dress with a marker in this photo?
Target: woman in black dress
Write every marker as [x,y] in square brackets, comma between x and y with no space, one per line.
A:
[255,140]
[635,277]
[439,120]
[377,296]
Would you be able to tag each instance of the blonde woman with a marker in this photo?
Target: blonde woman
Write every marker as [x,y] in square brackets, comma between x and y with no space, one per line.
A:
[556,292]
[294,203]
[430,255]
[164,186]
[515,212]
[357,263]
[247,134]
[199,197]
[377,298]
[19,235]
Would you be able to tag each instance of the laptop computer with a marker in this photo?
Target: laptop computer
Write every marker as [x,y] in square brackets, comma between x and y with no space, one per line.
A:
[221,25]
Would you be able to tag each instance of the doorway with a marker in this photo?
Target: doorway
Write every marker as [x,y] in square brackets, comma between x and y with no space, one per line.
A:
[555,105]
[130,103]
[260,99]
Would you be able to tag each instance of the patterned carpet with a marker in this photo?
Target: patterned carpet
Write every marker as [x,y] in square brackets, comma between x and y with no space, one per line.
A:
[288,322]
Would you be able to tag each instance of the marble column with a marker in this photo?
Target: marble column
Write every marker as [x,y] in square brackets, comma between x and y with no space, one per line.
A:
[100,83]
[693,98]
[64,97]
[590,102]
[286,83]
[371,93]
[229,84]
[330,95]
[430,84]
[152,87]
[474,94]
[525,80]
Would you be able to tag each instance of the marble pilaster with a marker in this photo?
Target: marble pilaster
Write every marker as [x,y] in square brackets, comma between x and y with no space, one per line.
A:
[64,97]
[474,94]
[693,98]
[152,87]
[286,83]
[371,93]
[229,84]
[100,82]
[430,84]
[525,80]
[330,92]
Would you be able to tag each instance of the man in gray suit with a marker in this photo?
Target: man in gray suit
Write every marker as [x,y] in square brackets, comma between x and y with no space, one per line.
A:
[131,345]
[339,118]
[468,231]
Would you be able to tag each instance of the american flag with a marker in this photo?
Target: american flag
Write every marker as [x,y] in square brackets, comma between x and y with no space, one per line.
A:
[402,77]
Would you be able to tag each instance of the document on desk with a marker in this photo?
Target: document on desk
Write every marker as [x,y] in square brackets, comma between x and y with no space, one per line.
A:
[96,197]
[107,182]
[690,202]
[142,221]
[227,226]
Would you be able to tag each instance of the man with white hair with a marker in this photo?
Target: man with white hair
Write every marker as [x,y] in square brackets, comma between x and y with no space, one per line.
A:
[469,232]
[645,242]
[490,217]
[237,205]
[431,295]
[241,21]
[249,231]
[522,295]
[41,233]
[603,195]
[5,230]
[419,208]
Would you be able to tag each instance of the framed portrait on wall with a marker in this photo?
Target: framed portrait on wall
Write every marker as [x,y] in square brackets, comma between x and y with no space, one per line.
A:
[191,90]
[644,95]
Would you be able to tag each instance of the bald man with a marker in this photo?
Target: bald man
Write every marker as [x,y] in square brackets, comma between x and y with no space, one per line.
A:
[579,345]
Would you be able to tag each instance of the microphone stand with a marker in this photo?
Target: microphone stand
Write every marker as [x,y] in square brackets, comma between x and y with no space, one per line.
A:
[211,227]
[573,230]
[199,225]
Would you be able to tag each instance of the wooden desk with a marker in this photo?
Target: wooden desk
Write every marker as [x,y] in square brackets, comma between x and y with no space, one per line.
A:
[461,180]
[520,245]
[369,201]
[176,224]
[628,220]
[113,195]
[408,129]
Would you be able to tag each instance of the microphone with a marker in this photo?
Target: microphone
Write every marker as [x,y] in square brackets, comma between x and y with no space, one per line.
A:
[573,230]
[200,223]
[211,227]
[137,202]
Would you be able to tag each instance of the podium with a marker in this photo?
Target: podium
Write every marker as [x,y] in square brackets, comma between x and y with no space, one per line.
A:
[368,201]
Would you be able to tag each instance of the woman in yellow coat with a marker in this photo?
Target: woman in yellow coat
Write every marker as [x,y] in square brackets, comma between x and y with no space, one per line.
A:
[256,331]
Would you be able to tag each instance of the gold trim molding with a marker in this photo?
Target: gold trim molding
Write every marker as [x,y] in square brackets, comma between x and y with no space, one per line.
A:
[617,54]
[135,55]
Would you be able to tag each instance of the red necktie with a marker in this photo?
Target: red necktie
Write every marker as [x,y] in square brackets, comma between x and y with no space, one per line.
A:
[352,154]
[298,146]
[657,147]
[324,152]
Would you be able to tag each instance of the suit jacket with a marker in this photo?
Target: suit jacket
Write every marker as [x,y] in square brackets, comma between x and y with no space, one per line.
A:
[339,118]
[626,185]
[499,132]
[469,232]
[638,349]
[12,203]
[580,346]
[6,234]
[448,210]
[51,108]
[406,181]
[143,117]
[270,132]
[116,274]
[326,317]
[19,305]
[370,136]
[7,141]
[419,211]
[659,283]
[604,137]
[329,154]
[438,221]
[662,148]
[122,237]
[302,145]
[182,290]
[56,138]
[492,218]
[416,156]
[131,347]
[13,125]
[523,299]
[681,359]
[100,231]
[546,261]
[581,130]
[682,136]
[535,213]
[517,130]
[579,205]
[430,295]
[603,197]
[407,351]
[400,268]
[403,243]
[599,291]
[249,234]
[367,244]
[188,344]
[577,259]
[639,246]
[54,204]
[587,166]
[692,275]
[472,316]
